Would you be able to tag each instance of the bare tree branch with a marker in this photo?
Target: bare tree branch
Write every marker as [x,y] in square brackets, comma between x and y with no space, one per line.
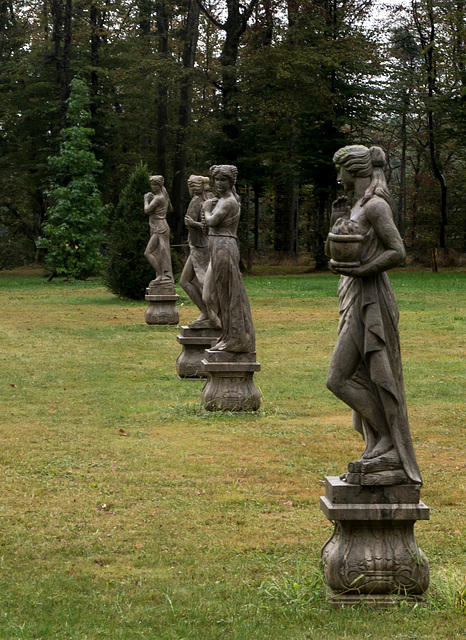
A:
[207,13]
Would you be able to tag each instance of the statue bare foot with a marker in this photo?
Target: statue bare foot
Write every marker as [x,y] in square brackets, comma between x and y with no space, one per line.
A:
[383,446]
[203,322]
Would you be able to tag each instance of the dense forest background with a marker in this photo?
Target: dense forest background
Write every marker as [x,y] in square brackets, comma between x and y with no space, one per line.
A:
[273,86]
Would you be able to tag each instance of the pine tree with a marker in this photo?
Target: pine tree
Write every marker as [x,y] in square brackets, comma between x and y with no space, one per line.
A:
[128,272]
[73,232]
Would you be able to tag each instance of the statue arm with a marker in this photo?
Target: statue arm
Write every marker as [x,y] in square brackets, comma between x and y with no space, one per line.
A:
[379,214]
[214,211]
[191,223]
[151,202]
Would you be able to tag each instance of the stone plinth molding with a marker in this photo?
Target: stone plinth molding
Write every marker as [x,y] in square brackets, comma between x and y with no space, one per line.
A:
[372,555]
[194,342]
[230,385]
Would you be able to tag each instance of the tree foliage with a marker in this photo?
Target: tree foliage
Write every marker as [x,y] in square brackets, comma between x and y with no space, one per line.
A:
[275,86]
[127,272]
[73,232]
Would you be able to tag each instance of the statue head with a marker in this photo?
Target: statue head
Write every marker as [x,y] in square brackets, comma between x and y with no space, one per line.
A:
[362,162]
[195,185]
[359,160]
[226,170]
[156,181]
[220,172]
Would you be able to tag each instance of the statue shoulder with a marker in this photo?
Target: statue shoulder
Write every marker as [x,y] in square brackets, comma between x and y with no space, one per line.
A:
[377,207]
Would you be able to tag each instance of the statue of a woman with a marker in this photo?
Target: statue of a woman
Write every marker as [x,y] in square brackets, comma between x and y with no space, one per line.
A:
[156,205]
[224,293]
[365,370]
[193,275]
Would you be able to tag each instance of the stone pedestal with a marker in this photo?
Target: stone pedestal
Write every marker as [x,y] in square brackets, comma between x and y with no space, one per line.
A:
[229,385]
[372,555]
[162,299]
[194,342]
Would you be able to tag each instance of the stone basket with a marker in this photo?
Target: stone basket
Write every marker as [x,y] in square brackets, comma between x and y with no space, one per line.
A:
[345,249]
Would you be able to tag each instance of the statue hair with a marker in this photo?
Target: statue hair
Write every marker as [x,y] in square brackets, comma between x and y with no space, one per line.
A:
[196,180]
[230,172]
[363,162]
[157,179]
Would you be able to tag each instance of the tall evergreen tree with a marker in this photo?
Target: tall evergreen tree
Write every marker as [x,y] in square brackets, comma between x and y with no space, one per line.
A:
[73,232]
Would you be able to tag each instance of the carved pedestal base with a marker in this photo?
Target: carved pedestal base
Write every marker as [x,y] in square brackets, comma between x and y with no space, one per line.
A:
[229,383]
[162,299]
[372,555]
[194,342]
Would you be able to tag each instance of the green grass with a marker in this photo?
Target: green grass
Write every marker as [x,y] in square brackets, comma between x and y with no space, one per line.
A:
[128,512]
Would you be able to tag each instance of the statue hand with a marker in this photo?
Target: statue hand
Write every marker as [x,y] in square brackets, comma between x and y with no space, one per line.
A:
[340,207]
[362,271]
[209,205]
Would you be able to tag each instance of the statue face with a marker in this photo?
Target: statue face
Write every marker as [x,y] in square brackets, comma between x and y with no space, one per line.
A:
[345,178]
[222,183]
[155,186]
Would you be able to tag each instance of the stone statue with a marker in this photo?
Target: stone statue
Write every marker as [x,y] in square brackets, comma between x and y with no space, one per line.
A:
[194,271]
[224,293]
[156,205]
[365,370]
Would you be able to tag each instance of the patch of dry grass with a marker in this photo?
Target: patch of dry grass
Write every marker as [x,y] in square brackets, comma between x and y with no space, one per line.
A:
[128,512]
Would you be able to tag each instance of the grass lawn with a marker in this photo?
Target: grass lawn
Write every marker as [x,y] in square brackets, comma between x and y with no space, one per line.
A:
[127,512]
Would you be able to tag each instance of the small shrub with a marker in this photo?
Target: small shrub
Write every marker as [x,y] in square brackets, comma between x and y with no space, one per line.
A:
[127,271]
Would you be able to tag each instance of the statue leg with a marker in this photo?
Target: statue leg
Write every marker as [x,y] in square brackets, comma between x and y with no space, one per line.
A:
[150,255]
[349,388]
[209,298]
[165,257]
[190,284]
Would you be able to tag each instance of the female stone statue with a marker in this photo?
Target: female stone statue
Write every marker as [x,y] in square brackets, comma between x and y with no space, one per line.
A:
[193,275]
[156,205]
[224,291]
[365,370]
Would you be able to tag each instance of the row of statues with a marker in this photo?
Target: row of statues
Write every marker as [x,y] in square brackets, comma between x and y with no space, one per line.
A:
[211,275]
[372,553]
[365,370]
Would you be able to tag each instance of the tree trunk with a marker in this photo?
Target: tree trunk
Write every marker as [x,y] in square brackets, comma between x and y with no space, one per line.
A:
[321,232]
[178,191]
[428,44]
[162,91]
[402,192]
[257,192]
[61,38]
[97,19]
[234,27]
[285,211]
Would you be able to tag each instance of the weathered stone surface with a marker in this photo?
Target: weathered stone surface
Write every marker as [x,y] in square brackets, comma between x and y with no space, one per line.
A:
[373,555]
[395,511]
[160,288]
[365,370]
[230,363]
[230,385]
[224,293]
[156,205]
[339,491]
[195,268]
[194,342]
[162,309]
